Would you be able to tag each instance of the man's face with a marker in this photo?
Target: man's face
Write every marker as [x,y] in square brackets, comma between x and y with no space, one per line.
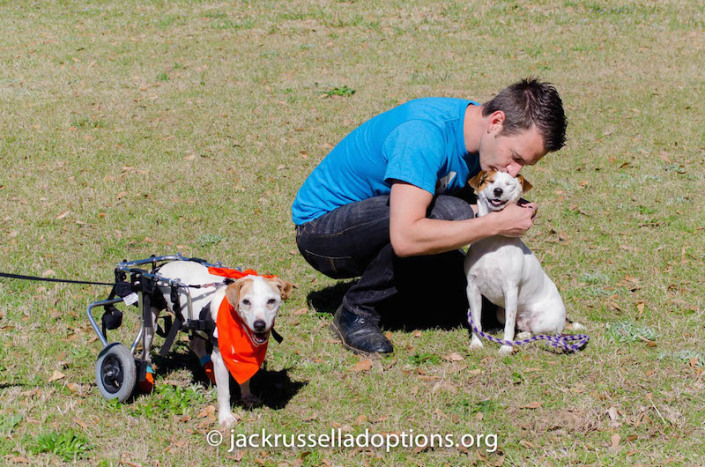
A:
[509,153]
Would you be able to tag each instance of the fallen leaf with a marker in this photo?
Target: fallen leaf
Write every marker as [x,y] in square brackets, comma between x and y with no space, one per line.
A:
[532,406]
[612,412]
[362,365]
[615,441]
[80,423]
[206,411]
[300,311]
[453,357]
[210,419]
[19,460]
[664,157]
[649,343]
[56,376]
[236,456]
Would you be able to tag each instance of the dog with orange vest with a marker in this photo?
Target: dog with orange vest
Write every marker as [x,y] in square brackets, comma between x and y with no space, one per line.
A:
[244,313]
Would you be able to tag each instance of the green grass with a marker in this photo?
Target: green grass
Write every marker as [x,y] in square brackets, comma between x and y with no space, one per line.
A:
[68,445]
[136,128]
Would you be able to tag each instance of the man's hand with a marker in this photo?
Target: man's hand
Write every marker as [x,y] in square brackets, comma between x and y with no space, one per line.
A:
[526,203]
[515,220]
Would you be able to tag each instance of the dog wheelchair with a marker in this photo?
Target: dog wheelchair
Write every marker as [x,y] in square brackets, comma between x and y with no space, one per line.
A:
[118,368]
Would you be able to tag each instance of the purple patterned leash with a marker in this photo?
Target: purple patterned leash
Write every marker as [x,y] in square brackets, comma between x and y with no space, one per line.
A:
[562,340]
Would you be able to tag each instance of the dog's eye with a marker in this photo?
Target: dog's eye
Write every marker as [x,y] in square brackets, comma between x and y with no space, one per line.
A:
[246,302]
[271,301]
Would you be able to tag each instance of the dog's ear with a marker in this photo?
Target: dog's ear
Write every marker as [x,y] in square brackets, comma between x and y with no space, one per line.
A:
[525,185]
[478,180]
[232,291]
[283,286]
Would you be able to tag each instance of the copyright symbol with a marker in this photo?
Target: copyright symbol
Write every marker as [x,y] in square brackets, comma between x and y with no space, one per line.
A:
[214,438]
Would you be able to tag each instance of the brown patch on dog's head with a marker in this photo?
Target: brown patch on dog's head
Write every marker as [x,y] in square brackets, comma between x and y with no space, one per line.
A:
[479,181]
[283,286]
[234,290]
[525,185]
[484,177]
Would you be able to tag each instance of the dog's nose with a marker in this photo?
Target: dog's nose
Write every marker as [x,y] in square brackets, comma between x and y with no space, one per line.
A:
[259,325]
[498,192]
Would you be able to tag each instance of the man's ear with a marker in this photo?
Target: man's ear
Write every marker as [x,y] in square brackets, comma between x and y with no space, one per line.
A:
[495,122]
[232,291]
[525,185]
[477,181]
[283,286]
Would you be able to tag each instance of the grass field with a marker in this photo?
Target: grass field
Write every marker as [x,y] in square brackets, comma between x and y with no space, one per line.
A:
[136,128]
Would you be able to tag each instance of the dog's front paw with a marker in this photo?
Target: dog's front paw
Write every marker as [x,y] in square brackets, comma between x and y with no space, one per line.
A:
[227,419]
[251,401]
[506,350]
[475,343]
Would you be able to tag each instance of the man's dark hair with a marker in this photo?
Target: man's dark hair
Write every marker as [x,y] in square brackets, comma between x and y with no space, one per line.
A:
[530,102]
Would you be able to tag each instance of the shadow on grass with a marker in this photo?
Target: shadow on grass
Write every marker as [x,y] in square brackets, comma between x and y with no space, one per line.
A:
[427,301]
[274,388]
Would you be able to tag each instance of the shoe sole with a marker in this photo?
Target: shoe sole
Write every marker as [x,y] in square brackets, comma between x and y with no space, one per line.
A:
[355,350]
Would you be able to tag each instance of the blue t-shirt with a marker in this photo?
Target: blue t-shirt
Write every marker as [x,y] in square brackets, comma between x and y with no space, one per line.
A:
[420,142]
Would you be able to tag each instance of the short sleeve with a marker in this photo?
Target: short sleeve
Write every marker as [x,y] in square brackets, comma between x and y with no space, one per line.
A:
[415,154]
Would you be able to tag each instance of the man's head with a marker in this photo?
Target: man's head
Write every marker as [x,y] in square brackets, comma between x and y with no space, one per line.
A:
[526,121]
[528,103]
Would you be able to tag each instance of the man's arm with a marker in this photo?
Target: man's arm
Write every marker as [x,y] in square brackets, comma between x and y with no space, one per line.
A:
[412,233]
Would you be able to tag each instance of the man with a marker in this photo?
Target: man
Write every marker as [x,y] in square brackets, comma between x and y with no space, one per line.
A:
[381,196]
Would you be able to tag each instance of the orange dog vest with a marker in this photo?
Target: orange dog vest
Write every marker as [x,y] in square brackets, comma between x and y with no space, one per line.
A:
[241,355]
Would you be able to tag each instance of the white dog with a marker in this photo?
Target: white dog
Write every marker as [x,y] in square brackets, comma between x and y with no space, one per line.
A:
[243,312]
[505,271]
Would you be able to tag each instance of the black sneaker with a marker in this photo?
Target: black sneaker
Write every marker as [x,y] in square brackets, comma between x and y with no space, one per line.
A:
[360,334]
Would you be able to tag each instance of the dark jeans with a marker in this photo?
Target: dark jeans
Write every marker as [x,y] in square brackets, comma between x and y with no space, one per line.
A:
[353,241]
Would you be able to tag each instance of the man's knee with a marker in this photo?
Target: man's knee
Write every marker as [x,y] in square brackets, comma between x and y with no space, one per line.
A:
[450,208]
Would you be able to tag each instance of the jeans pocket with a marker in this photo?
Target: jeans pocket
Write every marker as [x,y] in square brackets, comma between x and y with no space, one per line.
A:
[335,267]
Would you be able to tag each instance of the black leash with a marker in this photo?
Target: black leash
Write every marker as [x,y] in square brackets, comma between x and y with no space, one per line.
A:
[48,279]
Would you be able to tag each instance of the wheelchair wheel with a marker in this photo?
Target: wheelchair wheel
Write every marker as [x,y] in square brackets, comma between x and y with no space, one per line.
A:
[116,372]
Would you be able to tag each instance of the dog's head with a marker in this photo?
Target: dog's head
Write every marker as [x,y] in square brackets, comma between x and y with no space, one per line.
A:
[498,189]
[257,300]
